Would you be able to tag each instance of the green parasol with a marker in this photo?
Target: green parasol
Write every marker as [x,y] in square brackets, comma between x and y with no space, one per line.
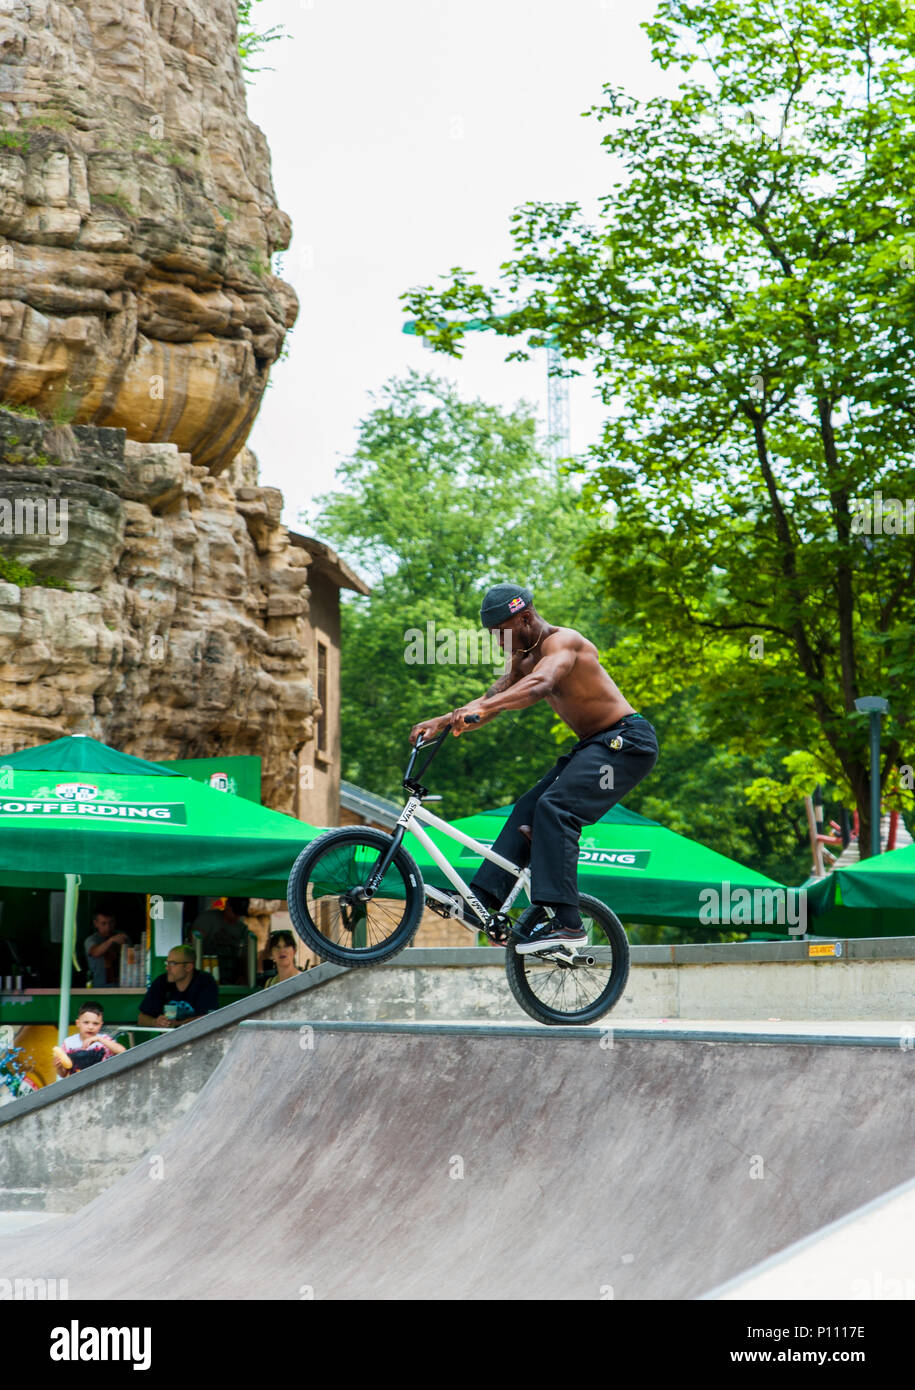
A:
[638,867]
[122,832]
[76,813]
[875,897]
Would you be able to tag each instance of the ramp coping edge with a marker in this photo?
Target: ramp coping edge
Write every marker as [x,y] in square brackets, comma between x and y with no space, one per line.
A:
[571,1031]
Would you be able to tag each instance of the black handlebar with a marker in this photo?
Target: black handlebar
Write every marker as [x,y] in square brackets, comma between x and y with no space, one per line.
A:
[468,719]
[412,782]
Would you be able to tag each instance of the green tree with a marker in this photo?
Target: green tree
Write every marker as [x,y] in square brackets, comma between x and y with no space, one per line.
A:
[746,299]
[442,498]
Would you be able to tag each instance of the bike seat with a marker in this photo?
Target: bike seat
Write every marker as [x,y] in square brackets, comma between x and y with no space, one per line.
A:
[525,831]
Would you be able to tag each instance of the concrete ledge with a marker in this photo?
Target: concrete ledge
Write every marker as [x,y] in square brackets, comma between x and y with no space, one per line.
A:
[799,1035]
[766,981]
[701,953]
[865,1254]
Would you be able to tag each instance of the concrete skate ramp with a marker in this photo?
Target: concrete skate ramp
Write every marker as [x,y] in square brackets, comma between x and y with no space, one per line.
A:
[380,1161]
[867,1255]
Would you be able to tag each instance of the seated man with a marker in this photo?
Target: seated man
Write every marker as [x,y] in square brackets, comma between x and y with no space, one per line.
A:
[179,995]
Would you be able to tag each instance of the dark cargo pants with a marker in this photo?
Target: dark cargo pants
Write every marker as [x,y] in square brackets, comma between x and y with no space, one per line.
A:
[582,786]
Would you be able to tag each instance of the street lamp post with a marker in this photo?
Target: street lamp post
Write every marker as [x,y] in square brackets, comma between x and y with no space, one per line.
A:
[875,706]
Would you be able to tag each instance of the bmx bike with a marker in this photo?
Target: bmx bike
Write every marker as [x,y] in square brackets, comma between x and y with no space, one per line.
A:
[356,898]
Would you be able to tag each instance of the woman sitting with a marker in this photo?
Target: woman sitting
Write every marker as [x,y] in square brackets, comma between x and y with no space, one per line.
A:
[281,945]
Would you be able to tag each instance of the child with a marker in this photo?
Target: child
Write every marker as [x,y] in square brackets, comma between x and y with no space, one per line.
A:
[86,1046]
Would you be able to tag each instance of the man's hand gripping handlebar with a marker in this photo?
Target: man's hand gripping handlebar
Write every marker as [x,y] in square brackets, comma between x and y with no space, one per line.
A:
[429,729]
[423,736]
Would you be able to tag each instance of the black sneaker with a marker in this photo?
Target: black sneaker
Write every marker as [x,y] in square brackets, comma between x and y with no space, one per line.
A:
[548,934]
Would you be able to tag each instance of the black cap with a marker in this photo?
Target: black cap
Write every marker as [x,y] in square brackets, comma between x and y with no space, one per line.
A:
[503,602]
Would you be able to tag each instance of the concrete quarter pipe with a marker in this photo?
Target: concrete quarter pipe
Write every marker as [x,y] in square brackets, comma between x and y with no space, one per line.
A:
[384,1161]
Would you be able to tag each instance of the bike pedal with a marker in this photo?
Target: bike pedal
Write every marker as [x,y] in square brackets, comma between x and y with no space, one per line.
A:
[560,952]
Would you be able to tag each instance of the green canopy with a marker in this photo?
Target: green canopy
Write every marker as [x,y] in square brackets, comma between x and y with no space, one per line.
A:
[875,897]
[142,832]
[80,753]
[644,871]
[76,813]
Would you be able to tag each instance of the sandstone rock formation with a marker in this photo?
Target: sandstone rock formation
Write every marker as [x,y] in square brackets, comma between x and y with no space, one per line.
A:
[182,631]
[137,223]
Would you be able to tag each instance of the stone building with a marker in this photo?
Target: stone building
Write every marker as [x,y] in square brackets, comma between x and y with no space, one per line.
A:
[319,758]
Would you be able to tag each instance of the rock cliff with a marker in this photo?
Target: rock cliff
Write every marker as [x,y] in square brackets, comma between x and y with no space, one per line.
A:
[137,223]
[181,629]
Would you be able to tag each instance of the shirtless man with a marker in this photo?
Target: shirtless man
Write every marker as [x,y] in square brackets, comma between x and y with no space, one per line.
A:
[616,747]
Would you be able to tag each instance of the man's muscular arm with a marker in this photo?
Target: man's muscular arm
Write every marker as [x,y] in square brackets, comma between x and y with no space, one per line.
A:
[479,707]
[541,682]
[430,728]
[518,692]
[508,678]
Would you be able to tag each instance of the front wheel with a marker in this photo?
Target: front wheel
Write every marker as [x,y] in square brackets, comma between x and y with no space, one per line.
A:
[554,991]
[325,904]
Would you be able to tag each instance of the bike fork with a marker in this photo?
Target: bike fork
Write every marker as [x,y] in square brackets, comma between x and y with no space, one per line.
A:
[370,887]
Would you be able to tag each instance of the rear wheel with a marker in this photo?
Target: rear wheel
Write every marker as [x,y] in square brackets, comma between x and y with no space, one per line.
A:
[558,992]
[325,903]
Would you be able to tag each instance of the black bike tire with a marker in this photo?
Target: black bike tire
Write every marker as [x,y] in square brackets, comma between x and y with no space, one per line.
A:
[342,955]
[619,972]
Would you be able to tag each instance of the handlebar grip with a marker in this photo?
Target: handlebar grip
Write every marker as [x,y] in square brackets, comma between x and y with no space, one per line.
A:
[424,743]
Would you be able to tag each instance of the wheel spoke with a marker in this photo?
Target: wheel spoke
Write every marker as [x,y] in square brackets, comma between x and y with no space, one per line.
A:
[555,991]
[345,922]
[568,989]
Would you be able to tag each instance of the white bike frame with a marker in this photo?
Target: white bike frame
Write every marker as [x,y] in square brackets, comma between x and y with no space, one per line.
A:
[415,811]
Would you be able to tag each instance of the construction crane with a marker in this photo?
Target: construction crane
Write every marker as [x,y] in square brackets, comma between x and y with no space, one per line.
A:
[557,404]
[557,390]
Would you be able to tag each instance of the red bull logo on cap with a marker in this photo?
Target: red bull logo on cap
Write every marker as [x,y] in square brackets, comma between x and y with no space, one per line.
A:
[515,603]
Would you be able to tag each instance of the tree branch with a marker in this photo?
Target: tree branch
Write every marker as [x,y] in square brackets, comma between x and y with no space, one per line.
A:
[838,497]
[903,587]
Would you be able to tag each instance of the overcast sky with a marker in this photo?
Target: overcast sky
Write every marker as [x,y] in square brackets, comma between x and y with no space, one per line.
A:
[403,135]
